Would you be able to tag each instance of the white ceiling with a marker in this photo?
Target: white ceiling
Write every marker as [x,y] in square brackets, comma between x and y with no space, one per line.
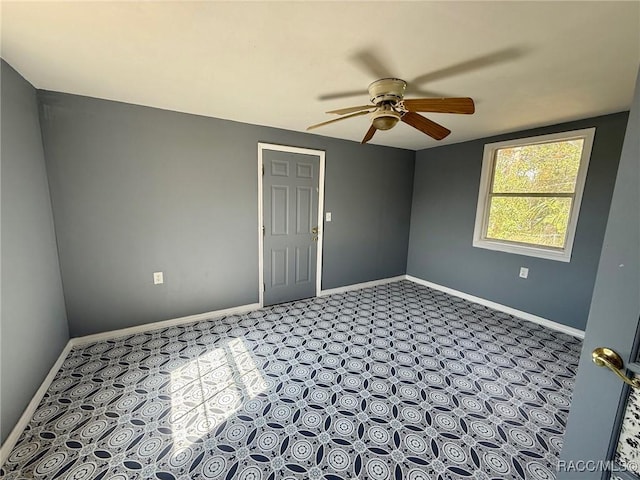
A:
[524,63]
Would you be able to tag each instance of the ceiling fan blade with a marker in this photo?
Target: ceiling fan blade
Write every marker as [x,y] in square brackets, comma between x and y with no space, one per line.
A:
[372,64]
[335,96]
[425,125]
[342,111]
[369,135]
[357,114]
[440,105]
[420,92]
[487,60]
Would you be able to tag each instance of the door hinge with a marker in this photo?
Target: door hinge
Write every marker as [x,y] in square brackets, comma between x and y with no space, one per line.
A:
[264,287]
[263,231]
[263,169]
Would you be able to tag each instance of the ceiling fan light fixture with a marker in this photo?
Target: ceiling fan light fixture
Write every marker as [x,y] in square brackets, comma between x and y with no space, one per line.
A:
[384,123]
[385,119]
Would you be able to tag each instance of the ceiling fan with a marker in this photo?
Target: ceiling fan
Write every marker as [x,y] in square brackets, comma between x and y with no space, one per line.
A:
[388,106]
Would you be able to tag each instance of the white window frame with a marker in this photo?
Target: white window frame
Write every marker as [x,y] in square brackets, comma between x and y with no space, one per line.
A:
[486,179]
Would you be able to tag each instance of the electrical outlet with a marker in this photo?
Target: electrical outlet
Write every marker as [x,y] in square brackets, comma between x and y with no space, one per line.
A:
[158,278]
[328,217]
[524,272]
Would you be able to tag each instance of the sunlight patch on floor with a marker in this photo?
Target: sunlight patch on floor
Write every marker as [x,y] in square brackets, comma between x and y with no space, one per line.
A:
[209,389]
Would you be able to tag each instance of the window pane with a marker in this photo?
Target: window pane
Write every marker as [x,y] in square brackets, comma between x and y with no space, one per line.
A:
[532,220]
[541,168]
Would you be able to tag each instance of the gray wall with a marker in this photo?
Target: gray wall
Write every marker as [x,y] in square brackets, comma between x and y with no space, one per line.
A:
[137,190]
[34,326]
[445,197]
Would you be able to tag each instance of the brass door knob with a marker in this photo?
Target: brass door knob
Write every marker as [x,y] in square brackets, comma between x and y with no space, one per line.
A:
[605,357]
[314,232]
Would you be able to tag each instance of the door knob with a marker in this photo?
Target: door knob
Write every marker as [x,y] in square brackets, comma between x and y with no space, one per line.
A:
[605,357]
[314,232]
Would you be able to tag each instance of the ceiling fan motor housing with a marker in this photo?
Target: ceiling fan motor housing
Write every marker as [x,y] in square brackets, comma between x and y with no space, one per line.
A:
[387,90]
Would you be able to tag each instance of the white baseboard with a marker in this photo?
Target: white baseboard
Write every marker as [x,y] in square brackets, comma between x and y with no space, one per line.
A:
[123,332]
[501,308]
[358,286]
[13,437]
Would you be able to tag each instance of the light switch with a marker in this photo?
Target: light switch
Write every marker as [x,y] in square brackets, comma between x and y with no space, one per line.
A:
[328,216]
[158,278]
[524,272]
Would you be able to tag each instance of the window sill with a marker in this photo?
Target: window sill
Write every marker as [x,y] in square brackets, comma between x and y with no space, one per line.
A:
[559,256]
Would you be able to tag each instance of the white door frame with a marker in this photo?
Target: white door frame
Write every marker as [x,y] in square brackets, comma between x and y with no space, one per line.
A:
[305,151]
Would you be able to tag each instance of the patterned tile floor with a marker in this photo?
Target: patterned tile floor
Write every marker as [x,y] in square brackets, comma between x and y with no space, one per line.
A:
[628,449]
[393,382]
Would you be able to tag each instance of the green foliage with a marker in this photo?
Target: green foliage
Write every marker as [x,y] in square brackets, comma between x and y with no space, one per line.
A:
[534,220]
[548,168]
[541,168]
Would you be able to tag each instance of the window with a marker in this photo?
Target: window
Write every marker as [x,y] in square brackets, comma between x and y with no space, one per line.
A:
[530,193]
